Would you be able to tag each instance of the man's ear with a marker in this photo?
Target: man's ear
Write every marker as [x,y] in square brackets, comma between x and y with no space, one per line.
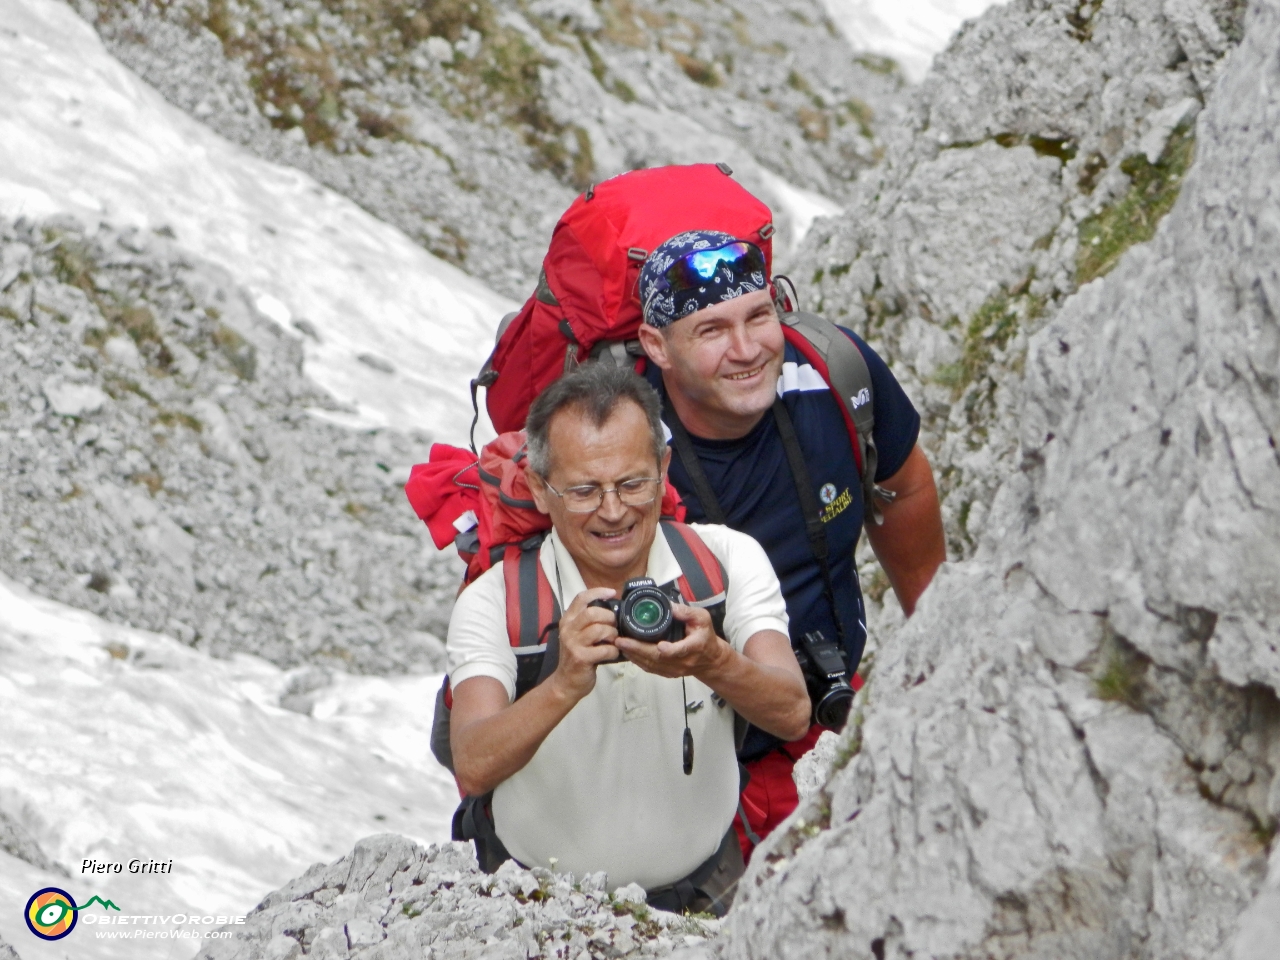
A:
[538,487]
[654,342]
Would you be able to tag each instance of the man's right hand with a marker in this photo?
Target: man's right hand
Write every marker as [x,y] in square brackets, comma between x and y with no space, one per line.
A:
[587,636]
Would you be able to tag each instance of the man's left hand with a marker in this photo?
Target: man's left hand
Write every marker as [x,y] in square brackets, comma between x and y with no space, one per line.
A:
[701,653]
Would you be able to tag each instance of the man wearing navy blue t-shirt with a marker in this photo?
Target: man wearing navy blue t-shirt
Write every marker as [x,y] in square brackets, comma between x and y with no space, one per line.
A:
[720,361]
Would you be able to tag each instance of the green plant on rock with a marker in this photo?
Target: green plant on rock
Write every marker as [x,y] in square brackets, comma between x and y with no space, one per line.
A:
[241,354]
[699,71]
[878,64]
[312,65]
[858,112]
[1120,680]
[991,328]
[1105,236]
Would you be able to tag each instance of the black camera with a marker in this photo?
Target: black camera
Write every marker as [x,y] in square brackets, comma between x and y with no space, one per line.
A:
[827,677]
[643,612]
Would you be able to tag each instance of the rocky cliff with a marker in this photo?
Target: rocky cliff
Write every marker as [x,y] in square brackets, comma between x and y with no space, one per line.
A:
[1071,749]
[471,125]
[161,464]
[392,900]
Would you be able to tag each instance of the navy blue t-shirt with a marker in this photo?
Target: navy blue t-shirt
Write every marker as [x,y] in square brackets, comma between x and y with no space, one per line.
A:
[752,480]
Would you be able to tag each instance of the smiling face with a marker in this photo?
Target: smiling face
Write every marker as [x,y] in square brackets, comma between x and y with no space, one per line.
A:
[721,365]
[610,545]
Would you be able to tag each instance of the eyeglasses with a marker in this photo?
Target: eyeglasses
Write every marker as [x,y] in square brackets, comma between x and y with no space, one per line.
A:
[589,497]
[739,258]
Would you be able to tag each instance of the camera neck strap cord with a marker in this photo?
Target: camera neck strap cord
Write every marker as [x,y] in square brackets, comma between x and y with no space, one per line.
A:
[688,734]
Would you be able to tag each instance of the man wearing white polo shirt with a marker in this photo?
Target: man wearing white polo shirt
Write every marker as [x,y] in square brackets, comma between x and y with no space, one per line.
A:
[588,770]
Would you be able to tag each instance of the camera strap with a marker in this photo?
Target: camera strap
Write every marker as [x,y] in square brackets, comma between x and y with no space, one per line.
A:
[809,508]
[813,525]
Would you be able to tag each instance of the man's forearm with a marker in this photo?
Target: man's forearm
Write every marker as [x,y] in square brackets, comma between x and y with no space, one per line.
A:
[488,749]
[910,544]
[770,697]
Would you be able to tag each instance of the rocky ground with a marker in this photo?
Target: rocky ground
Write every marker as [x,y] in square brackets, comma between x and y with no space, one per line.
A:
[1071,750]
[390,899]
[166,464]
[472,125]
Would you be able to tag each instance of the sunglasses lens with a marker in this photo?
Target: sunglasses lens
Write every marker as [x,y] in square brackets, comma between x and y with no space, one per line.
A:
[695,269]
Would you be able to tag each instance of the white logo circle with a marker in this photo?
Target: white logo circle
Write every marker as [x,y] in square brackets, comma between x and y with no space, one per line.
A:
[828,492]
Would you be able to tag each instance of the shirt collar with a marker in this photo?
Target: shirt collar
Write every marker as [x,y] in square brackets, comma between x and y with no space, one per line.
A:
[563,572]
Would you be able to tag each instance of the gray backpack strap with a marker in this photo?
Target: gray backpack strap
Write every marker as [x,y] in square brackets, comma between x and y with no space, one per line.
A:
[850,381]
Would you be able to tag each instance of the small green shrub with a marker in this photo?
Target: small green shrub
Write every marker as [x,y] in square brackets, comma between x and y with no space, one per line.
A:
[886,66]
[699,71]
[1154,188]
[1120,681]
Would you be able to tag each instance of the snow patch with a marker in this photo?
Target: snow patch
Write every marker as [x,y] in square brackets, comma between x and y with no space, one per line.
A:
[909,31]
[81,135]
[122,744]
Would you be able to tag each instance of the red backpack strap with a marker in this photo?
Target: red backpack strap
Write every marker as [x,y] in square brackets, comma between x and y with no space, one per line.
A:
[841,364]
[533,614]
[703,580]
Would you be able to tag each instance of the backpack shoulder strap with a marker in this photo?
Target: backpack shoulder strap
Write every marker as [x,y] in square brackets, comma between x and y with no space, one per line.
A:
[703,581]
[842,366]
[533,614]
[703,578]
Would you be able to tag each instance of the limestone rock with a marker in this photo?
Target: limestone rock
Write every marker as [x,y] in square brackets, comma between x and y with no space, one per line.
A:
[1071,749]
[161,465]
[7,952]
[472,126]
[390,899]
[73,399]
[16,840]
[1014,179]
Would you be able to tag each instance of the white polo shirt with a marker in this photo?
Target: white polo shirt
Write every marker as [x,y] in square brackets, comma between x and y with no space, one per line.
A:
[607,789]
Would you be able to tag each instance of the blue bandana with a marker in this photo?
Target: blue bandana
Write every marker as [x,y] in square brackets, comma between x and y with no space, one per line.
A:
[720,281]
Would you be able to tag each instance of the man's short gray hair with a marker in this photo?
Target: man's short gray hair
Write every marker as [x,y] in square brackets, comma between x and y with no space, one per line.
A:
[596,389]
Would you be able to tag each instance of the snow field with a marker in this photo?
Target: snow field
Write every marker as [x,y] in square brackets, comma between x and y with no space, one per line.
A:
[120,744]
[81,135]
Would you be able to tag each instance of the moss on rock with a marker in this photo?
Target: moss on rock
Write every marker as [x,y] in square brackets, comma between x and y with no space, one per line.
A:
[1106,235]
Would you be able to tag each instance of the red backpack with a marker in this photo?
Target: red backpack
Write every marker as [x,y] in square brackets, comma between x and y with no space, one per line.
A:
[586,300]
[587,305]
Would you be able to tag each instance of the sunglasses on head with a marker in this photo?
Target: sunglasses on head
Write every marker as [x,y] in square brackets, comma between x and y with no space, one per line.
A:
[740,259]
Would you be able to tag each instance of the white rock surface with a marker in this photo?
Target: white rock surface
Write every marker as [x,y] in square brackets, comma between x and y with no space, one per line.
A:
[1071,749]
[390,899]
[197,490]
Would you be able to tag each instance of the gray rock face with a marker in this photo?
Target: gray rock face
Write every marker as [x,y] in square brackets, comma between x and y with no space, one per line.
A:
[7,952]
[1048,138]
[392,900]
[16,840]
[472,125]
[160,465]
[1071,749]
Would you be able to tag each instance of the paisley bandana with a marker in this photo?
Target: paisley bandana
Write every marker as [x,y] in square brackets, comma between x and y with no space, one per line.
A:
[696,269]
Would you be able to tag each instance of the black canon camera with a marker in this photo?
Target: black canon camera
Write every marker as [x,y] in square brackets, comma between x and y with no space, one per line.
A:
[644,612]
[827,677]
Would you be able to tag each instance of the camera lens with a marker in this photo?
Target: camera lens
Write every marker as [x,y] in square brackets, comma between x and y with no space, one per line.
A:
[647,613]
[833,709]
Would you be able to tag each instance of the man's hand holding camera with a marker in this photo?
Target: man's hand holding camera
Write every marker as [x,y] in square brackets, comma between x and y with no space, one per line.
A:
[700,654]
[588,638]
